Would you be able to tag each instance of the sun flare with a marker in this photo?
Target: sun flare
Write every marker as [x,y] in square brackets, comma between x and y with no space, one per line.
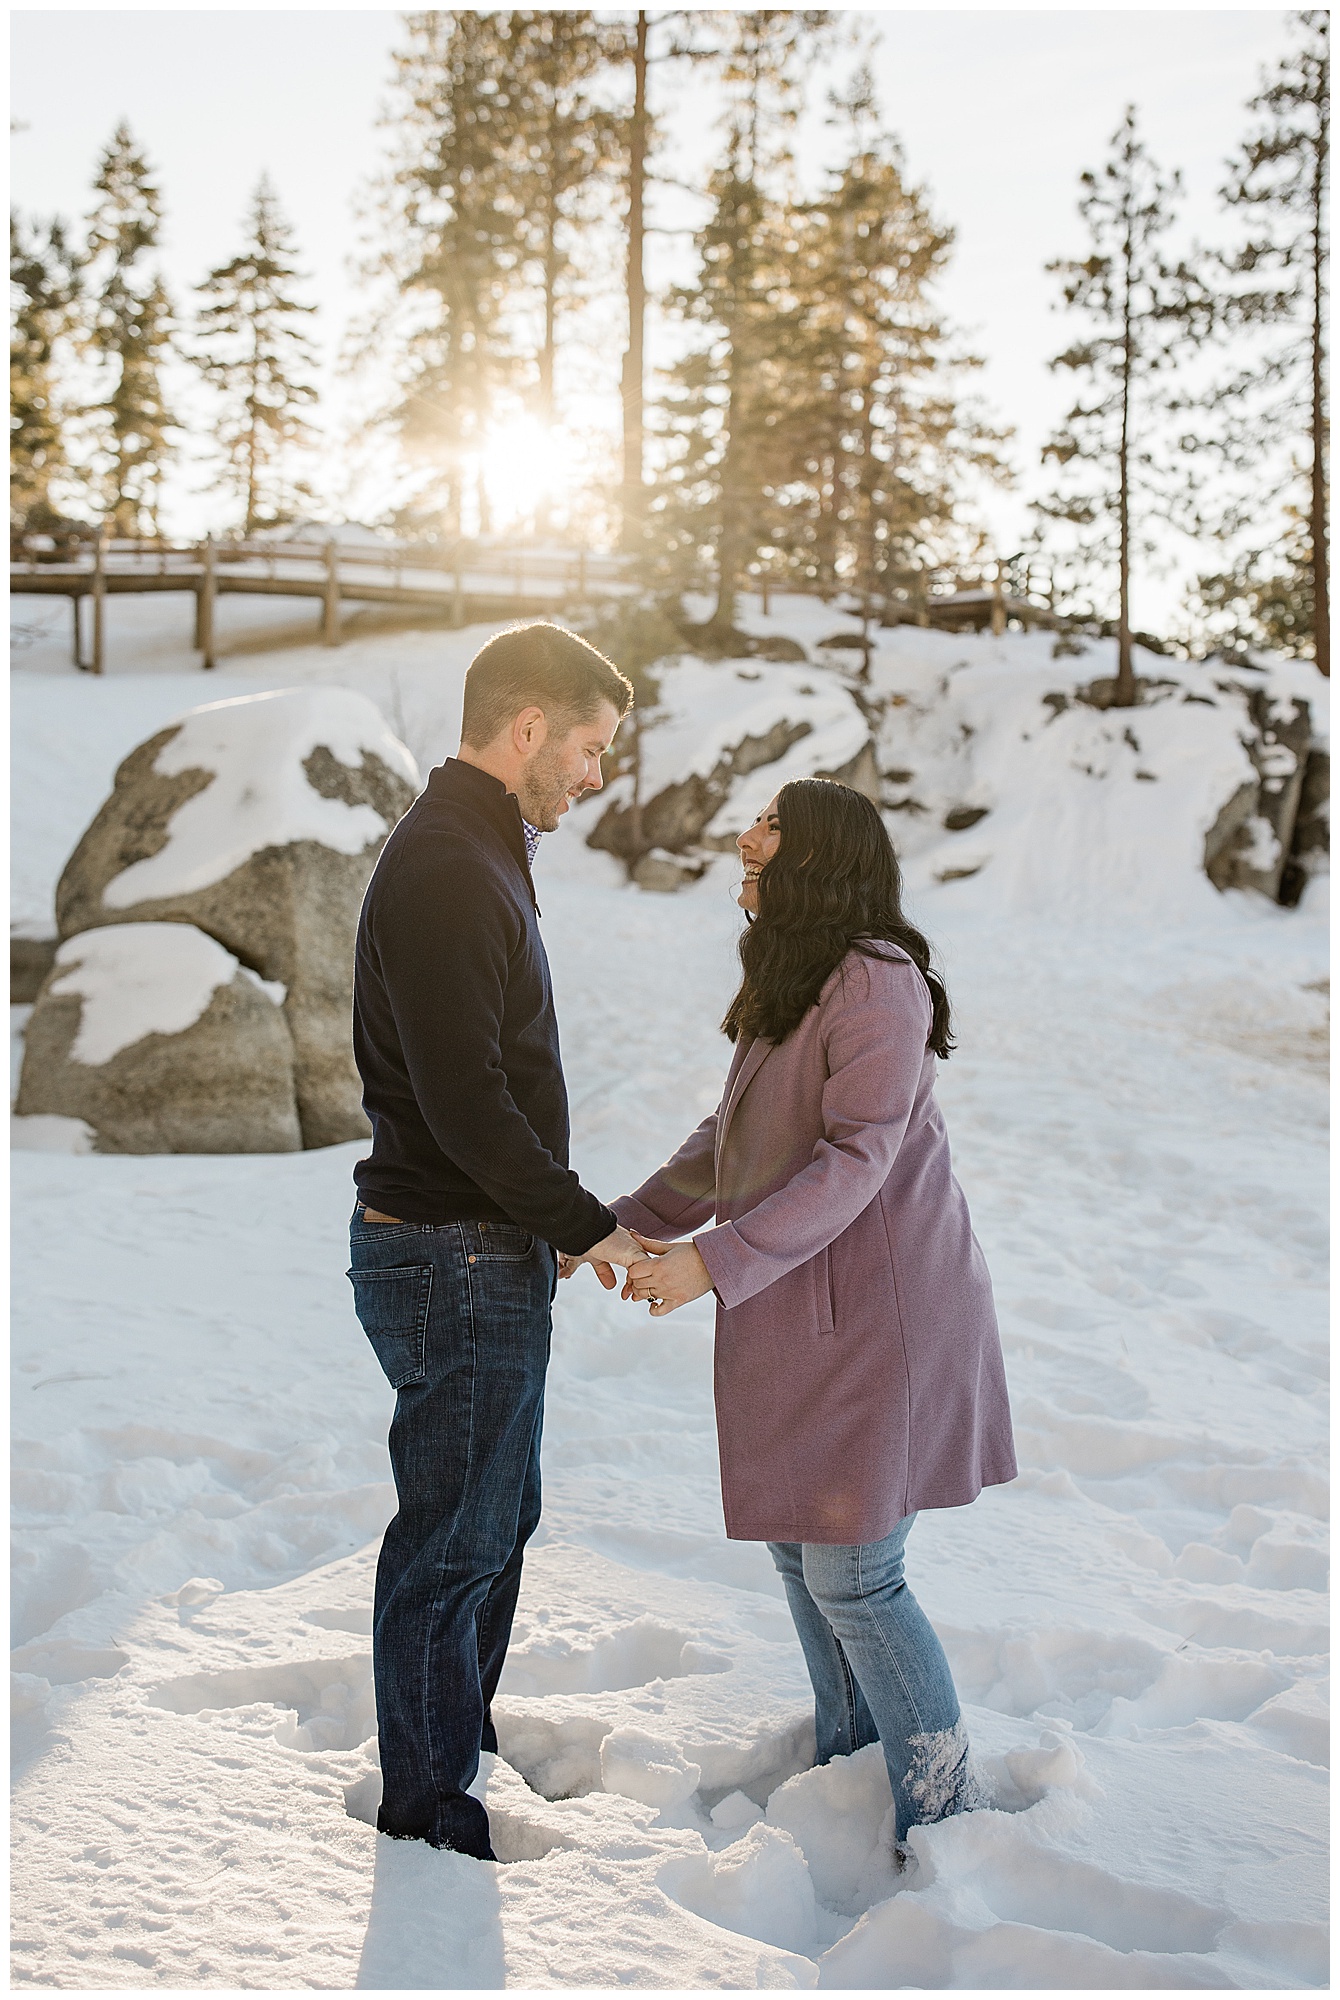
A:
[526,467]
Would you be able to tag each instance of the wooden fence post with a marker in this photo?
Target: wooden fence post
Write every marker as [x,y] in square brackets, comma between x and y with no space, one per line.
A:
[78,655]
[99,599]
[330,606]
[998,602]
[204,604]
[199,639]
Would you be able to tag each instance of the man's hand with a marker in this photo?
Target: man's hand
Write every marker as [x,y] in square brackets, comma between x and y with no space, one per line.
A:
[668,1277]
[617,1248]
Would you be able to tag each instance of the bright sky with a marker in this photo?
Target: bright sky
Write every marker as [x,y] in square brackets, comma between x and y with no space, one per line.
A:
[998,112]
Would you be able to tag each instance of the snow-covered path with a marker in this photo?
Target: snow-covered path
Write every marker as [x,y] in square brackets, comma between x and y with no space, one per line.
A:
[1136,1625]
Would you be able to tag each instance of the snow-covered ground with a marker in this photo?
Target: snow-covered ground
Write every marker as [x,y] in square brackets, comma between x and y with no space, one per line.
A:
[1137,1624]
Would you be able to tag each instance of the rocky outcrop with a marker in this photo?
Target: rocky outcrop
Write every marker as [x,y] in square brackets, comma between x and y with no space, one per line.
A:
[664,873]
[1311,842]
[717,726]
[727,642]
[159,1041]
[1232,840]
[258,821]
[30,960]
[678,815]
[1250,843]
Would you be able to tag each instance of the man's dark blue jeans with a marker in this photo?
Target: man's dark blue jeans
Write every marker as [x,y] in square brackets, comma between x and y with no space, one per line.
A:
[458,1315]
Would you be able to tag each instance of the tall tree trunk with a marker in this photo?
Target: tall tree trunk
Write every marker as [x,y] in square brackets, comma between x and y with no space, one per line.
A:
[826,528]
[542,517]
[730,545]
[1125,669]
[864,535]
[550,315]
[1321,594]
[253,440]
[543,514]
[633,362]
[250,523]
[730,549]
[551,222]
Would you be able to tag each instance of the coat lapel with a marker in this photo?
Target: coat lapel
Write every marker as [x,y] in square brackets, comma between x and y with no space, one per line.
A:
[759,1050]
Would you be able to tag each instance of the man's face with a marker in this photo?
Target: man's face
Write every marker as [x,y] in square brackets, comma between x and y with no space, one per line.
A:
[564,767]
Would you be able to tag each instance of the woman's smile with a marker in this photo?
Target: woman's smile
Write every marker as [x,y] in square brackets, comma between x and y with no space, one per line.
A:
[757,844]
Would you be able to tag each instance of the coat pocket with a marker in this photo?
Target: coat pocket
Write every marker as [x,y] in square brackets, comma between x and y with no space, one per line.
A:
[392,1307]
[823,1289]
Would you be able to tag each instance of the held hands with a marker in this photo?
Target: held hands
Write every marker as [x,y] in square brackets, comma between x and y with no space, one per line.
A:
[666,1275]
[619,1247]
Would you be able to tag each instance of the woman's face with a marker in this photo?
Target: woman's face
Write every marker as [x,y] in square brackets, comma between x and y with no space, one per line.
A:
[757,844]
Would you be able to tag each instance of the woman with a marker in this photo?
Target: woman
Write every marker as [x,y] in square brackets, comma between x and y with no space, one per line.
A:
[858,1368]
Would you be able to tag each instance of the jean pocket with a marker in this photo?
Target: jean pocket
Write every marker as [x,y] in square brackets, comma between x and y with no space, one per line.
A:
[392,1307]
[504,1239]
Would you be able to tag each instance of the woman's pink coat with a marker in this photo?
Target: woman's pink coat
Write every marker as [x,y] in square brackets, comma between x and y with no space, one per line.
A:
[859,1375]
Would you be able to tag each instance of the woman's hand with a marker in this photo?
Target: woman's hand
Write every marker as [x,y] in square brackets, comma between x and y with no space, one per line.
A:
[671,1275]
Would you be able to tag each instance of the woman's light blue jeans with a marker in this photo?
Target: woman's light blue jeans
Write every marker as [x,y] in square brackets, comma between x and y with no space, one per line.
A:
[879,1672]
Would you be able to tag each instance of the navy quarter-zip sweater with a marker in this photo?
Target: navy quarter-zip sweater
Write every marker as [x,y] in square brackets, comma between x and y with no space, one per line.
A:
[454,1028]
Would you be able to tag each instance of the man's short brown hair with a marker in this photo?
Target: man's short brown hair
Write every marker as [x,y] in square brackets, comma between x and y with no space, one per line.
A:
[538,666]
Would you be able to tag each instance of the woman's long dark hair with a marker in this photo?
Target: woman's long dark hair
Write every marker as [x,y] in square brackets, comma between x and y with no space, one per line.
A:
[833,886]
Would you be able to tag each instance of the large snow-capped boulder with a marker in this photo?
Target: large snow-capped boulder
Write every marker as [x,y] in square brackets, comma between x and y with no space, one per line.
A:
[159,1041]
[258,820]
[723,736]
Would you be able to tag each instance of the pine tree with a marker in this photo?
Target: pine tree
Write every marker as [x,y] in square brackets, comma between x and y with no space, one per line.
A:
[1113,484]
[886,439]
[43,291]
[131,330]
[457,248]
[630,47]
[255,353]
[733,395]
[638,138]
[564,141]
[731,398]
[1273,413]
[1265,598]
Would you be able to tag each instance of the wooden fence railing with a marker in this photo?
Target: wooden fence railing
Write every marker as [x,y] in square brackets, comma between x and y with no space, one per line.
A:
[468,579]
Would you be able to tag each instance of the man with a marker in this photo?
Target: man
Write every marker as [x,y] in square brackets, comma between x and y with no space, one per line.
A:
[464,1201]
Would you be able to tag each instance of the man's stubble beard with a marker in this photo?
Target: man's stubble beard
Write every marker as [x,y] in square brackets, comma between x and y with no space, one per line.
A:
[543,790]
